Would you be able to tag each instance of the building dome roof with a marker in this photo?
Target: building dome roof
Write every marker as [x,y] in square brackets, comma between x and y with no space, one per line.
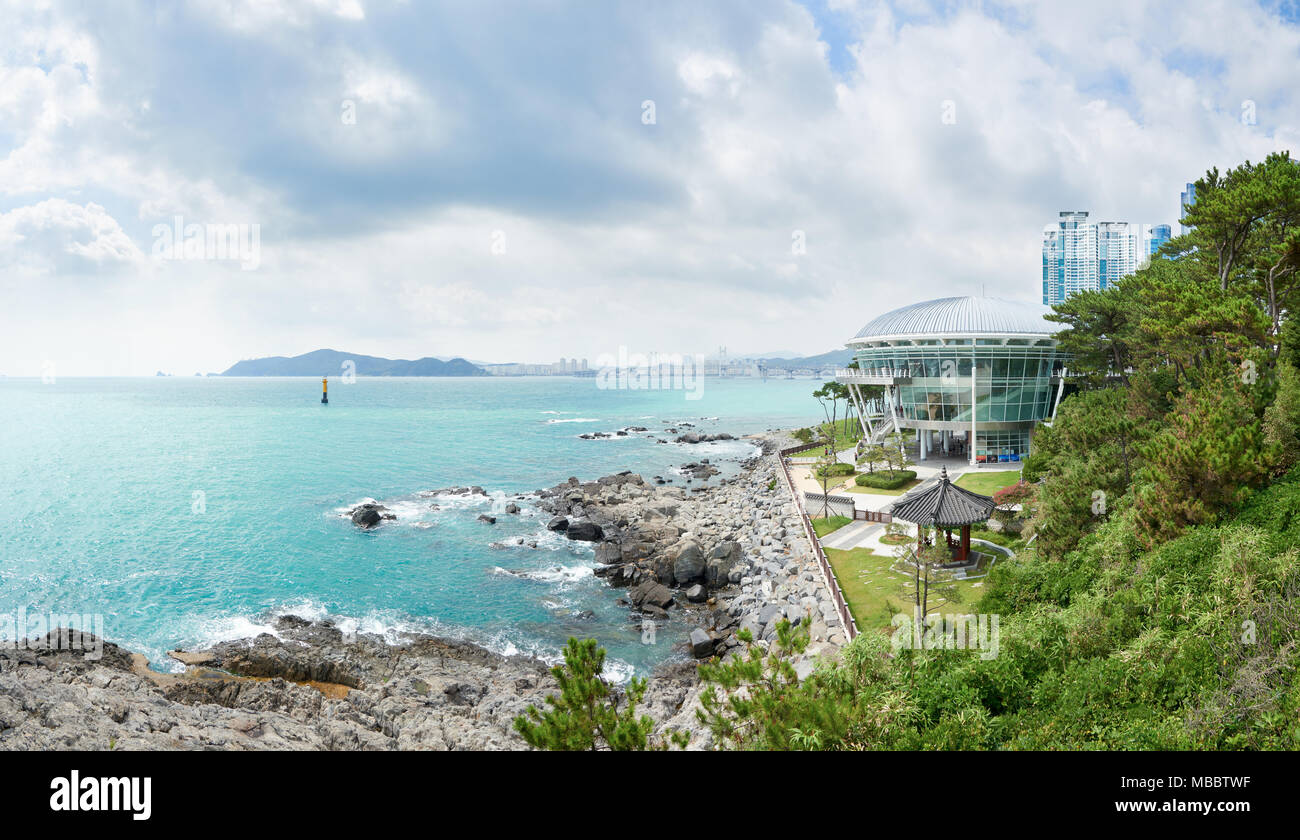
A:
[956,316]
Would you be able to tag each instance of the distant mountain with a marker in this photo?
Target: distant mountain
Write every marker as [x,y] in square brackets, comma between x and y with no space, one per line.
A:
[838,358]
[330,363]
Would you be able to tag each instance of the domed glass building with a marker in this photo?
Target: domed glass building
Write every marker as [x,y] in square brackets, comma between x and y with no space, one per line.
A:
[972,375]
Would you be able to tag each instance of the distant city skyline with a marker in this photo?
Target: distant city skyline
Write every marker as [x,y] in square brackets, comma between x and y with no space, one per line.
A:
[1080,254]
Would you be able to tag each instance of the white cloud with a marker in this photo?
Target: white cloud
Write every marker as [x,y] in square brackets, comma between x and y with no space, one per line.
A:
[58,236]
[674,236]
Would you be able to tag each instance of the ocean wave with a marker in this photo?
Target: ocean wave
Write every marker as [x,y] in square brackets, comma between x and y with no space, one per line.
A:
[575,420]
[393,627]
[552,574]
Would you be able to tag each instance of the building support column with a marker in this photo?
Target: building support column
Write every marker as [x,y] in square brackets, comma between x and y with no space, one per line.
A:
[974,406]
[893,415]
[863,422]
[1060,389]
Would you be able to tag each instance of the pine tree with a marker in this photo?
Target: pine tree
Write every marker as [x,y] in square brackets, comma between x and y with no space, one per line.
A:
[583,716]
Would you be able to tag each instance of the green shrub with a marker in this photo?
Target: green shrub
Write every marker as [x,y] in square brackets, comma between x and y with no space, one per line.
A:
[835,470]
[886,479]
[804,435]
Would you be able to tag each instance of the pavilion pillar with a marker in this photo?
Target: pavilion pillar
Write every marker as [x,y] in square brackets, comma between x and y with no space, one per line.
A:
[965,543]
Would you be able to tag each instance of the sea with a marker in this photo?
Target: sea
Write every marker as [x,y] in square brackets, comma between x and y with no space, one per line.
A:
[187,511]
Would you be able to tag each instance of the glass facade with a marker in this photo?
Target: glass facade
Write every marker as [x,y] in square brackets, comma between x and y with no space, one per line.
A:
[1012,388]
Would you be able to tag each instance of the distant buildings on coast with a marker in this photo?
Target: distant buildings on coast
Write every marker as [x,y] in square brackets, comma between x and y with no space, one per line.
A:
[736,368]
[1080,254]
[564,367]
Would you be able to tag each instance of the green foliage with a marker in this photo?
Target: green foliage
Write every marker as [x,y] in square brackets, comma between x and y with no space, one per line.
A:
[1282,420]
[833,470]
[886,479]
[585,715]
[804,435]
[1205,458]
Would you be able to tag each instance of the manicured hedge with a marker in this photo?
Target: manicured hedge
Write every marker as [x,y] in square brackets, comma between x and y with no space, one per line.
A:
[886,479]
[834,470]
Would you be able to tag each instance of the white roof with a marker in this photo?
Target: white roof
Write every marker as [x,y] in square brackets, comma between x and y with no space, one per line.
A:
[956,316]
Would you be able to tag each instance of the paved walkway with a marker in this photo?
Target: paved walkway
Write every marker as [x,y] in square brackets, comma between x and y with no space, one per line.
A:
[853,535]
[925,470]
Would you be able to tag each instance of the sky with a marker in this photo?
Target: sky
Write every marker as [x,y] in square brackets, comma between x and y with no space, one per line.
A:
[525,181]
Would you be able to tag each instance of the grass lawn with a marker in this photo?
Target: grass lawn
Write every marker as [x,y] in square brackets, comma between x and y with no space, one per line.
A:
[826,526]
[988,483]
[875,593]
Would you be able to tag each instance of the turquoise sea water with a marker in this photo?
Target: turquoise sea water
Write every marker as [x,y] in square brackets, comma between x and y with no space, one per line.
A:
[187,511]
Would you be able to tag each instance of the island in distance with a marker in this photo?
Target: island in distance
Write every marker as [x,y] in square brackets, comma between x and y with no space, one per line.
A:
[324,362]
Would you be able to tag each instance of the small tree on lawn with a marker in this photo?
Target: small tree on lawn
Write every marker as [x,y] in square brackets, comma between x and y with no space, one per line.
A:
[927,571]
[872,455]
[1021,493]
[894,453]
[823,473]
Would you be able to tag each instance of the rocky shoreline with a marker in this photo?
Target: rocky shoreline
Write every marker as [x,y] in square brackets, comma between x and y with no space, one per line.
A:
[726,556]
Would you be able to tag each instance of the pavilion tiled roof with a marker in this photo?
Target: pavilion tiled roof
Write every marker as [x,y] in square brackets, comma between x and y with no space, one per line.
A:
[944,504]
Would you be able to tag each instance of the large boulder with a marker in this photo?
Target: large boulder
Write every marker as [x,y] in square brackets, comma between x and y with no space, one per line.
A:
[649,593]
[724,557]
[559,523]
[697,594]
[688,566]
[608,552]
[701,644]
[585,531]
[370,514]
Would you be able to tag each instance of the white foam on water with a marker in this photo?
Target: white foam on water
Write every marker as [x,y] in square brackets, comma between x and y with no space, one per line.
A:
[617,671]
[393,627]
[550,574]
[575,420]
[346,510]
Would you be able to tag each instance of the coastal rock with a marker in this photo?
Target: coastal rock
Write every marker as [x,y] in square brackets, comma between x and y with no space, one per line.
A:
[363,694]
[697,594]
[608,552]
[483,517]
[689,564]
[370,514]
[722,559]
[650,593]
[584,531]
[559,523]
[701,644]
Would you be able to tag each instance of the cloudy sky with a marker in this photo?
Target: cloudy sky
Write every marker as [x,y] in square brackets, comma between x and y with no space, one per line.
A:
[521,181]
